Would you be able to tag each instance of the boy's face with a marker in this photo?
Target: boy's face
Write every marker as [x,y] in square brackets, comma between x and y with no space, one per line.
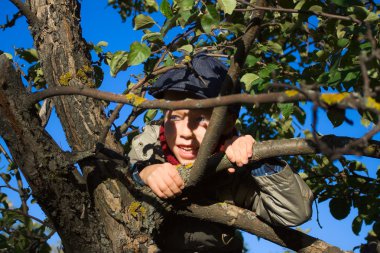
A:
[184,132]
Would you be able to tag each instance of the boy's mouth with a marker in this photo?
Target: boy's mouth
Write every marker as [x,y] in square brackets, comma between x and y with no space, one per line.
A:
[188,152]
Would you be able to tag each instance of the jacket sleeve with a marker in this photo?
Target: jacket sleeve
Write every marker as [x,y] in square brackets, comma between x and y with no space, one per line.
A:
[145,148]
[282,198]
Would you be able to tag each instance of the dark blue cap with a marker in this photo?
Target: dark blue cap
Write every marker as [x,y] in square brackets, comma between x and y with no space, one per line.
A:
[202,78]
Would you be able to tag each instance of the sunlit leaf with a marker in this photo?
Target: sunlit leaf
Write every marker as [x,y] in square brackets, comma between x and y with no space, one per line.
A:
[248,80]
[185,5]
[9,56]
[165,9]
[153,37]
[152,4]
[141,22]
[187,48]
[149,115]
[228,6]
[286,109]
[138,53]
[118,62]
[372,17]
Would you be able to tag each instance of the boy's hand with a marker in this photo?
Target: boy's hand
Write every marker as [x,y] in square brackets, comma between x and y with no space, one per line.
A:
[239,150]
[163,179]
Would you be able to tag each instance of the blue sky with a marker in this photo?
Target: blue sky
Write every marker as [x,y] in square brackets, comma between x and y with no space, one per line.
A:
[101,23]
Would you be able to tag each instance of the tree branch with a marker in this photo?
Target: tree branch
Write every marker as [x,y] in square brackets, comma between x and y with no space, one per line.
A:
[11,22]
[317,13]
[246,220]
[24,9]
[339,100]
[229,86]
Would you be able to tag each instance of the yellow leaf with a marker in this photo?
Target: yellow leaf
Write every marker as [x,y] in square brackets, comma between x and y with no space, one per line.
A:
[135,100]
[371,103]
[291,93]
[331,99]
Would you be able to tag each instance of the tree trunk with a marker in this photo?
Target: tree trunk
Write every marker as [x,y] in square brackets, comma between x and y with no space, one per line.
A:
[98,221]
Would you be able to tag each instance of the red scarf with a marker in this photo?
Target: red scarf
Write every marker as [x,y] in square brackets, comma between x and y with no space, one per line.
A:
[170,157]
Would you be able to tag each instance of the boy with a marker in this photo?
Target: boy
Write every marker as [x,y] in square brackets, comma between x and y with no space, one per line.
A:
[270,188]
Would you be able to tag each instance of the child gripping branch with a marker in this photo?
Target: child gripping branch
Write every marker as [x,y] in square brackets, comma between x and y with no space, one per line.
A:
[270,188]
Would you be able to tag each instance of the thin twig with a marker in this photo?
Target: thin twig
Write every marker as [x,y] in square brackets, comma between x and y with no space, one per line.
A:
[11,22]
[351,100]
[26,215]
[317,13]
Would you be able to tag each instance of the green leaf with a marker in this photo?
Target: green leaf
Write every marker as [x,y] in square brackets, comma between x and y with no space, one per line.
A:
[102,44]
[153,37]
[185,5]
[9,56]
[275,47]
[343,42]
[169,61]
[340,208]
[184,18]
[98,47]
[152,4]
[251,60]
[165,9]
[187,48]
[149,115]
[138,53]
[210,19]
[267,71]
[371,17]
[29,55]
[316,8]
[228,6]
[118,62]
[141,22]
[334,78]
[248,80]
[286,109]
[169,23]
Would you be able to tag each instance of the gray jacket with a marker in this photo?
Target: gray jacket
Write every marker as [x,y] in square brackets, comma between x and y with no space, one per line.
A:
[281,198]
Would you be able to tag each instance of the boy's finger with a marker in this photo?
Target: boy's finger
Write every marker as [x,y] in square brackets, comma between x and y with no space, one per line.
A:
[172,188]
[156,190]
[164,187]
[177,179]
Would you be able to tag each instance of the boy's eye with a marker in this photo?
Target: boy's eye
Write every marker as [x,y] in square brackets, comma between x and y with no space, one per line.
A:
[202,119]
[174,117]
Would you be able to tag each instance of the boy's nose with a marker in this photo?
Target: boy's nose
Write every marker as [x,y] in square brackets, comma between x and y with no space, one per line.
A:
[185,130]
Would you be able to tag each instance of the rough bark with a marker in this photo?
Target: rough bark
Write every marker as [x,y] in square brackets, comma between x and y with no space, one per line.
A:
[65,60]
[64,200]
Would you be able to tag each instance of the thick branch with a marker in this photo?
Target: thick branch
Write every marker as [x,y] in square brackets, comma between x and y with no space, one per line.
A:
[24,9]
[246,220]
[276,148]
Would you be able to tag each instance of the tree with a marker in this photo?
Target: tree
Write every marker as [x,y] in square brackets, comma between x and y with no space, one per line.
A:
[284,53]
